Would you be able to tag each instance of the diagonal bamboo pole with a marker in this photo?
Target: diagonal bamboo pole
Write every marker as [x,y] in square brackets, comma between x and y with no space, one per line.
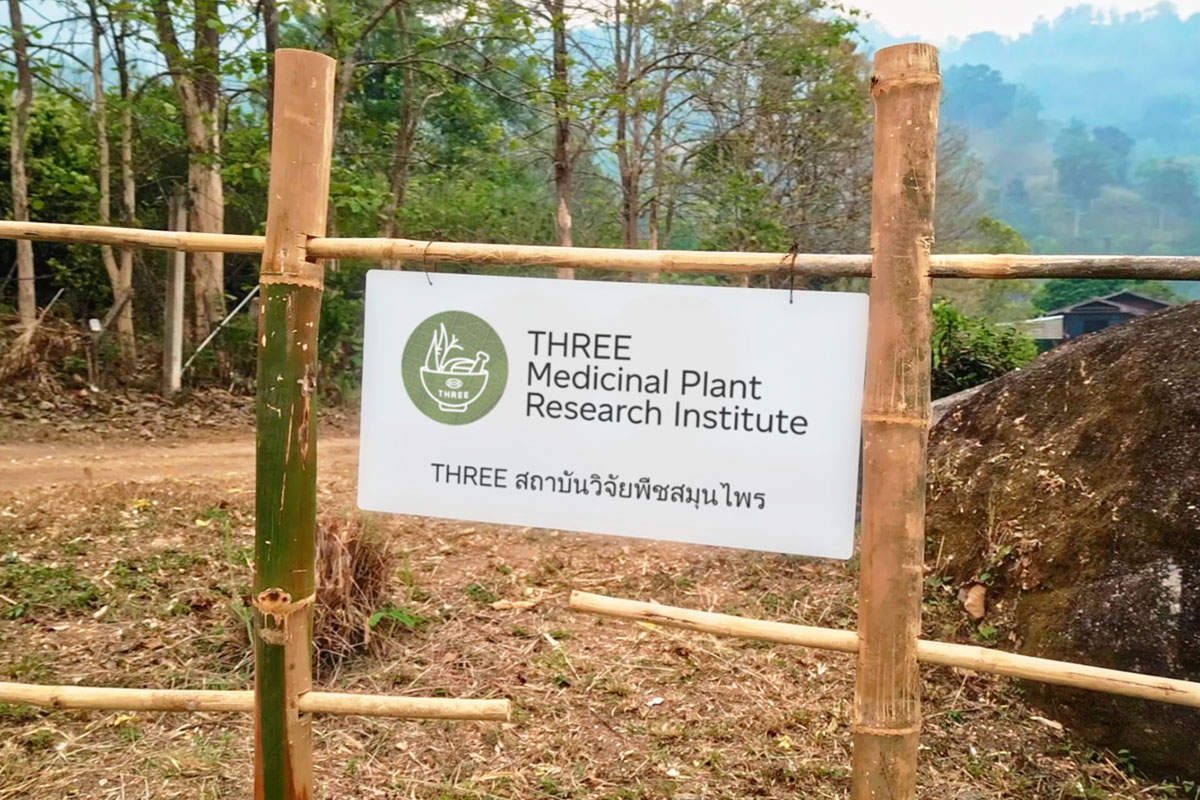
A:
[289,311]
[887,703]
[944,654]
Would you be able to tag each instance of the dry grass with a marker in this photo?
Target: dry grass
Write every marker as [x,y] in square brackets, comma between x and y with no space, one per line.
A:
[604,709]
[28,354]
[354,570]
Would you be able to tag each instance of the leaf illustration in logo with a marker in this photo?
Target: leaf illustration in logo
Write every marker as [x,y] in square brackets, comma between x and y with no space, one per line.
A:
[431,357]
[439,349]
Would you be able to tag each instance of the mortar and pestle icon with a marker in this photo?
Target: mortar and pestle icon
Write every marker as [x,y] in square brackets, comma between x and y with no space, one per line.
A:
[454,383]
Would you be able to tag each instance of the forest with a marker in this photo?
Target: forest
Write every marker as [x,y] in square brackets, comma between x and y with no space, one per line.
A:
[1087,129]
[687,125]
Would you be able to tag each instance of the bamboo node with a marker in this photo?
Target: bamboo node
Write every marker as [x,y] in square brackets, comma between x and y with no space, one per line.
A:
[871,730]
[291,280]
[897,419]
[277,606]
[881,85]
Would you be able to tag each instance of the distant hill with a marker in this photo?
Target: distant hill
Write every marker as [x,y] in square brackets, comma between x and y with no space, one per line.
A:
[1136,71]
[1088,128]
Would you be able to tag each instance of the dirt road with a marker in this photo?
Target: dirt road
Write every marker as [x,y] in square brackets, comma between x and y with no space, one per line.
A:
[25,466]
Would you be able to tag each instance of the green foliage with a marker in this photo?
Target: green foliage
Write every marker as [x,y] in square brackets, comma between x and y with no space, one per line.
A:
[1060,292]
[977,95]
[1120,176]
[37,587]
[1170,183]
[17,713]
[1086,162]
[968,351]
[481,594]
[402,616]
[997,236]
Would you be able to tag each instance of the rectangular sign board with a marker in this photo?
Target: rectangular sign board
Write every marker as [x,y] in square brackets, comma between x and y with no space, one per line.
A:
[718,416]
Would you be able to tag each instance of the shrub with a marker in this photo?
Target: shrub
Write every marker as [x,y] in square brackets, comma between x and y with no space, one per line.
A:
[968,351]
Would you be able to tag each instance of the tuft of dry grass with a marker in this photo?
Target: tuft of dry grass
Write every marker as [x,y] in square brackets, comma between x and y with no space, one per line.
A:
[29,354]
[355,567]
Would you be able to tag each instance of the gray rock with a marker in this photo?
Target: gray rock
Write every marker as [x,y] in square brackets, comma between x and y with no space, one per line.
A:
[1073,489]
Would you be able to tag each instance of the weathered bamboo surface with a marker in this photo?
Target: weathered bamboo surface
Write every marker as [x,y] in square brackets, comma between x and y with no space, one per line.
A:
[965,265]
[187,700]
[184,241]
[963,656]
[289,313]
[906,88]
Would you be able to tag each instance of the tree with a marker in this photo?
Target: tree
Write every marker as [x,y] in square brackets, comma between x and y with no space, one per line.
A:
[22,99]
[783,123]
[977,95]
[1115,147]
[1016,205]
[560,91]
[120,275]
[1086,162]
[1170,184]
[1081,166]
[197,80]
[959,206]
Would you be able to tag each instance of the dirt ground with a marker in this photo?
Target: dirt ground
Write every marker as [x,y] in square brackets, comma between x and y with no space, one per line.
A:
[129,565]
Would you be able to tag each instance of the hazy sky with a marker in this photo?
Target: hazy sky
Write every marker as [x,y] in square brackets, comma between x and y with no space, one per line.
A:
[938,20]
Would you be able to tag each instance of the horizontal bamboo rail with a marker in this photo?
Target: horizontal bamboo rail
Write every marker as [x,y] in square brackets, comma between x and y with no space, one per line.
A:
[362,705]
[966,265]
[980,659]
[185,241]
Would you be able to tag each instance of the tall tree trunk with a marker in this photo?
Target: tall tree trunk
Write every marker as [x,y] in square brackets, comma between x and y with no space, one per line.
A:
[198,85]
[624,33]
[125,334]
[204,171]
[270,22]
[560,89]
[638,117]
[406,135]
[22,99]
[657,177]
[622,127]
[656,187]
[346,70]
[128,179]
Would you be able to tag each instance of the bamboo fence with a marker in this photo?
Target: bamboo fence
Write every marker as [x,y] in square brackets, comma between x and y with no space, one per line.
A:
[906,88]
[943,654]
[191,700]
[418,252]
[895,424]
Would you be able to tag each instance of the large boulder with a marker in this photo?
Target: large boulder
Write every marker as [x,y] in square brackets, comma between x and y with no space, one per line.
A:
[1071,491]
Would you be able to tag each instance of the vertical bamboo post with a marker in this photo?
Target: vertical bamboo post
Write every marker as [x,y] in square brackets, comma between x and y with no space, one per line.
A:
[289,311]
[173,316]
[887,703]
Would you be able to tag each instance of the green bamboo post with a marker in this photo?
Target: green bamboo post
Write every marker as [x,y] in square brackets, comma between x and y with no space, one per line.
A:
[887,699]
[289,312]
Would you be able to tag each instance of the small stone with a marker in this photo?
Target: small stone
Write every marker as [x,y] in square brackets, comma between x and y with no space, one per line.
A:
[975,601]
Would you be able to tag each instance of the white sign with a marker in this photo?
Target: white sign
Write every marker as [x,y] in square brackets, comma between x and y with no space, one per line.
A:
[719,416]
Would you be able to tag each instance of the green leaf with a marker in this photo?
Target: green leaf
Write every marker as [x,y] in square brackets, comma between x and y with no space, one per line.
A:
[401,616]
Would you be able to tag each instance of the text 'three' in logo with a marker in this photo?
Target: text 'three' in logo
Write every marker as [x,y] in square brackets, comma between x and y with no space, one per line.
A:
[454,367]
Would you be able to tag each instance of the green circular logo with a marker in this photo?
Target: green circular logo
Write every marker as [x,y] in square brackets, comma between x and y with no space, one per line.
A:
[454,367]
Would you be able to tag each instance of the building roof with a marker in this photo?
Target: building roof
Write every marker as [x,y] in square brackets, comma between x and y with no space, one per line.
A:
[1123,302]
[1049,327]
